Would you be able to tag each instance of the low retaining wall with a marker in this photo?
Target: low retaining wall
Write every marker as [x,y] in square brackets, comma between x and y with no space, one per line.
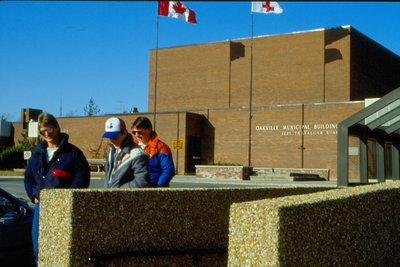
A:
[223,172]
[79,223]
[357,226]
[285,172]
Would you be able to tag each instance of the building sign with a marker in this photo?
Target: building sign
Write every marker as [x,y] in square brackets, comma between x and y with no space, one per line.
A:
[354,151]
[300,129]
[33,129]
[177,144]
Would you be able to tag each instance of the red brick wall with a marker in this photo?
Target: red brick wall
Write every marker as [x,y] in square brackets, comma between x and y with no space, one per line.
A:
[297,79]
[276,139]
[277,136]
[337,60]
[190,77]
[374,69]
[287,69]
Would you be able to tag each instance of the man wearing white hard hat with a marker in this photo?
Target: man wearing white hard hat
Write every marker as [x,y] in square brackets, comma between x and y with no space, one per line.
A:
[126,164]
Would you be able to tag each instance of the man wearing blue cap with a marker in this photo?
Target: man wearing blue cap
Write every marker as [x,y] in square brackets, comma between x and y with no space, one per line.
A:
[126,164]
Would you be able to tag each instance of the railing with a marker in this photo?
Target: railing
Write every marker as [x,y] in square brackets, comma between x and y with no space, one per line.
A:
[97,163]
[197,254]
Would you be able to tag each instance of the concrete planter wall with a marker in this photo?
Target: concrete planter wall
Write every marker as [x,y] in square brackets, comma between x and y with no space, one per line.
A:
[223,172]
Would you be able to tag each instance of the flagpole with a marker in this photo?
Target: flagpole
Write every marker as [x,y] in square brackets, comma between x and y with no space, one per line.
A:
[155,77]
[251,87]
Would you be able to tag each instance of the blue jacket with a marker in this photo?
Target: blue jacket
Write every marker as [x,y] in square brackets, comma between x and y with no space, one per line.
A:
[161,164]
[67,169]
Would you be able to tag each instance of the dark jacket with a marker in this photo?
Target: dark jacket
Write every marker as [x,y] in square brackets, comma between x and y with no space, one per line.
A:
[130,168]
[67,169]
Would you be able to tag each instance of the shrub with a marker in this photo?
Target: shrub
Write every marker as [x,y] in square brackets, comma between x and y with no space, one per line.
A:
[13,157]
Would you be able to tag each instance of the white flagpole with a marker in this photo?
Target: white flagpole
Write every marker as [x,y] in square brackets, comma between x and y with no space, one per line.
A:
[155,76]
[251,87]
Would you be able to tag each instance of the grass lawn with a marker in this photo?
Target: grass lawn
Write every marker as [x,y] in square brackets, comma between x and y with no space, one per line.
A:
[11,172]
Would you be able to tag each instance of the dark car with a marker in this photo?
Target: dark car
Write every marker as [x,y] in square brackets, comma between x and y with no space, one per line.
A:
[15,231]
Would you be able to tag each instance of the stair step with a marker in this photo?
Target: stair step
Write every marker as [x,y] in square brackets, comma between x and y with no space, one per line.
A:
[271,178]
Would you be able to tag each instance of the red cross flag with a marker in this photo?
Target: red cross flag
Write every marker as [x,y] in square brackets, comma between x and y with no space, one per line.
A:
[266,7]
[177,10]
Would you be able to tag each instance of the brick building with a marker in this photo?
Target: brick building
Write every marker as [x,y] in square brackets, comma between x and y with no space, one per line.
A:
[302,85]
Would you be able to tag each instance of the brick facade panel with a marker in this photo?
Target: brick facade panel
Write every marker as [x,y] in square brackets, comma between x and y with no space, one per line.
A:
[301,87]
[287,69]
[278,135]
[191,77]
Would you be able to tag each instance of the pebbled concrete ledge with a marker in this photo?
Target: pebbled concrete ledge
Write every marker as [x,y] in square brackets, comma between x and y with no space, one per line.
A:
[352,226]
[76,224]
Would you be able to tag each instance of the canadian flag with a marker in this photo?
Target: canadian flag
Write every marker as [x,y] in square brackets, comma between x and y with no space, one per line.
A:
[175,9]
[266,7]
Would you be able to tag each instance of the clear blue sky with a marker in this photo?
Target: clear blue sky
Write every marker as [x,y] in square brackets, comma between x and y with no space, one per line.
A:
[60,54]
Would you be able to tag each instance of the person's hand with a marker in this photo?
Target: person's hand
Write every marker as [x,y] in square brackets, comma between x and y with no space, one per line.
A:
[36,200]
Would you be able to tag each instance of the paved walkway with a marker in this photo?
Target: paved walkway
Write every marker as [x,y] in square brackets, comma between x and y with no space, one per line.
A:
[192,179]
[258,182]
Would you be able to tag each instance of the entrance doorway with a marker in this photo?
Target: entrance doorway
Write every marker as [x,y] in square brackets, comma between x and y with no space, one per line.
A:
[193,153]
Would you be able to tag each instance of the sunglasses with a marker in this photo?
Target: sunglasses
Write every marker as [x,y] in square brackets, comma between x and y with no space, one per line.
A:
[137,132]
[48,130]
